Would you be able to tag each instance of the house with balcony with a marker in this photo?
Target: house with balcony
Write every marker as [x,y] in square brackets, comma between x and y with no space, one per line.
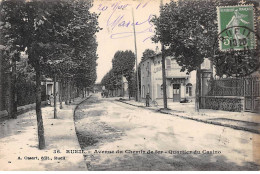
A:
[179,85]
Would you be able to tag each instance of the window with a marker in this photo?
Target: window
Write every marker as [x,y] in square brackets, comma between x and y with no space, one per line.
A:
[147,69]
[148,89]
[189,89]
[168,63]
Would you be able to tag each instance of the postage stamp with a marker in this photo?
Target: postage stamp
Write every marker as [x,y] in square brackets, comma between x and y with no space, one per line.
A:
[236,26]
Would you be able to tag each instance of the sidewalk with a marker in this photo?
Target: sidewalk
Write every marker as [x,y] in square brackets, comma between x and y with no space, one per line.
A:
[18,138]
[237,120]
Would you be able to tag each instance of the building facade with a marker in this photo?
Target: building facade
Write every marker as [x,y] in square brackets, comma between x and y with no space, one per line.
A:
[179,85]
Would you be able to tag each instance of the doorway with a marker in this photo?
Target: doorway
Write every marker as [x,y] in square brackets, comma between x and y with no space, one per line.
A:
[176,93]
[49,89]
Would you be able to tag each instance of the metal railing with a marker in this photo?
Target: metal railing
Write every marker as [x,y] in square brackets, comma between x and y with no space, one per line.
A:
[247,86]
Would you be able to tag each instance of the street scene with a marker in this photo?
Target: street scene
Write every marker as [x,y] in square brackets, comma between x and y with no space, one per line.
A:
[111,85]
[106,125]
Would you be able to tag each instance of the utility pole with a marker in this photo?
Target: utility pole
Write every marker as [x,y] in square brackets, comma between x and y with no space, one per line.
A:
[137,77]
[163,70]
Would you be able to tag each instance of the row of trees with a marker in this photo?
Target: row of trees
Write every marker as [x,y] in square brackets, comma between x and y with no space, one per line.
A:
[59,39]
[188,31]
[122,65]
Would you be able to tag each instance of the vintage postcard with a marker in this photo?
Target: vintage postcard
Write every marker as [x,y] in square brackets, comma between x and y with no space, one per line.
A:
[129,85]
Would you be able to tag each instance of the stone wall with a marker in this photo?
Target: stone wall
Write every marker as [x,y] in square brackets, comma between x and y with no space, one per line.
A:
[226,103]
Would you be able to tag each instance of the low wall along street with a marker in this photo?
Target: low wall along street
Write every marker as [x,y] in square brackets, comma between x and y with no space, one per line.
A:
[232,94]
[21,109]
[225,103]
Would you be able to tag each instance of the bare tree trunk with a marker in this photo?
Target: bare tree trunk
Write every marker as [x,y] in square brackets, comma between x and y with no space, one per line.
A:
[70,93]
[12,104]
[78,92]
[61,93]
[1,83]
[73,92]
[41,138]
[122,88]
[66,92]
[198,90]
[164,79]
[14,90]
[128,90]
[55,102]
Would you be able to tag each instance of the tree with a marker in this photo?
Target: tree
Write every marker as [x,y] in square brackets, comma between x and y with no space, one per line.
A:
[148,53]
[57,33]
[123,64]
[12,34]
[44,25]
[189,29]
[59,38]
[133,84]
[186,40]
[83,44]
[111,81]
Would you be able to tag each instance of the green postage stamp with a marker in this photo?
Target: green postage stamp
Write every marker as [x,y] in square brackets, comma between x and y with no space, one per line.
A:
[236,28]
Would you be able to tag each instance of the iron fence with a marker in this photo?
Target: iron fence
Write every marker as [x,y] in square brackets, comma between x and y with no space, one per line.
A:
[247,86]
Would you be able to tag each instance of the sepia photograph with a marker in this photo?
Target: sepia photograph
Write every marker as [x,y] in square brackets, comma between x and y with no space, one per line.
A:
[129,85]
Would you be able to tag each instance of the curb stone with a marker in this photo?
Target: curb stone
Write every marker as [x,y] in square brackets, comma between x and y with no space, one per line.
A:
[199,120]
[76,128]
[77,108]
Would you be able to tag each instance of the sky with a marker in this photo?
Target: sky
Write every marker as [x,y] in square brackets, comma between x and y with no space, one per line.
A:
[117,30]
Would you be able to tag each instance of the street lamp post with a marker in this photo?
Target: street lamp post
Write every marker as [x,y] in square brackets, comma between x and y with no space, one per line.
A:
[137,77]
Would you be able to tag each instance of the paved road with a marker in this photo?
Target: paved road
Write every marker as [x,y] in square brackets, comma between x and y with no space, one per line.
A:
[117,136]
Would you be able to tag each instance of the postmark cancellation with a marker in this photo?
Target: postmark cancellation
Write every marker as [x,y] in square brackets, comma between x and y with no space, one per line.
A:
[236,27]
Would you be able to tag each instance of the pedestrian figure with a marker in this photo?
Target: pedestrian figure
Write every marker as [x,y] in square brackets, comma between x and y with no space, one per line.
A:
[147,98]
[51,99]
[48,100]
